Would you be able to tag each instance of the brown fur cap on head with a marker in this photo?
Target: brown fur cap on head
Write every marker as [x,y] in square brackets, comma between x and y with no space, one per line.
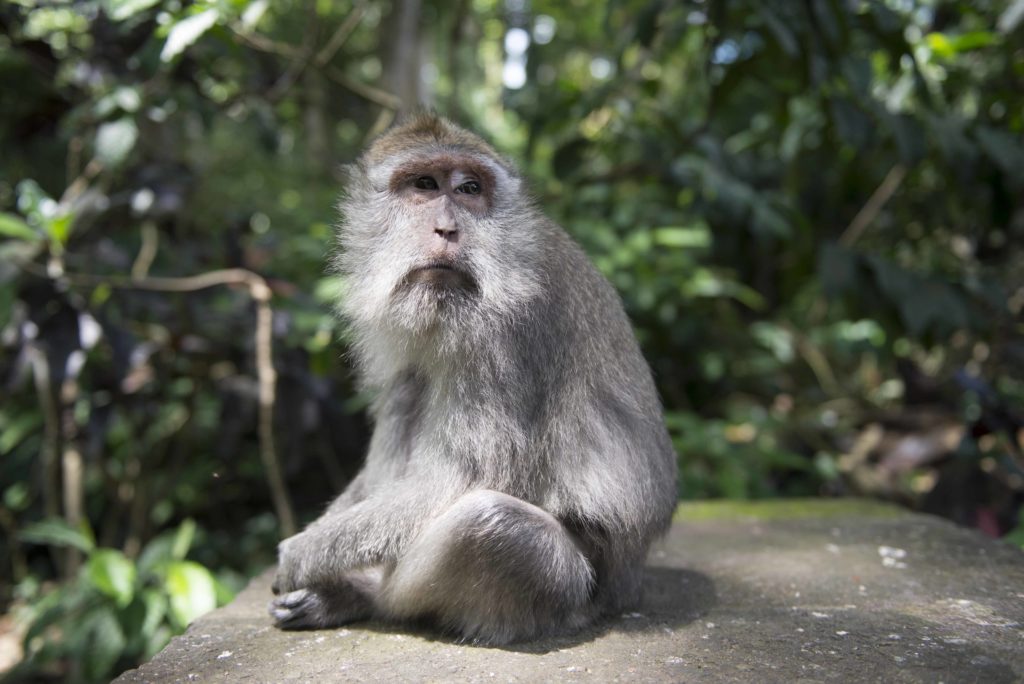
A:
[431,130]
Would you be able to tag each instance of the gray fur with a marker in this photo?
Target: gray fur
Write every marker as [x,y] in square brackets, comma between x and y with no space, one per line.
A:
[519,467]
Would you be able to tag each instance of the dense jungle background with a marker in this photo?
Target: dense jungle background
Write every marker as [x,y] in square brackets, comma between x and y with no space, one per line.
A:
[812,210]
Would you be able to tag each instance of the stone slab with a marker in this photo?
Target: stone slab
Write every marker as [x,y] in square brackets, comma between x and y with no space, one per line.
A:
[820,591]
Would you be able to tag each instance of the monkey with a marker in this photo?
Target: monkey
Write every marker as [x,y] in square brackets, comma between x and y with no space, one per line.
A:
[519,466]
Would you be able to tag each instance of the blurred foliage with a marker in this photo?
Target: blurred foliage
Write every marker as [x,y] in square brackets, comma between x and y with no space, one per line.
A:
[811,210]
[117,611]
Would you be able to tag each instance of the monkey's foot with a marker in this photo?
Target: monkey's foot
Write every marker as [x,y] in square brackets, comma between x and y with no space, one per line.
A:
[313,609]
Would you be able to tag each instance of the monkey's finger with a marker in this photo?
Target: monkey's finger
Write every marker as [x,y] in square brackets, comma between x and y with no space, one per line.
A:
[292,599]
[302,609]
[290,611]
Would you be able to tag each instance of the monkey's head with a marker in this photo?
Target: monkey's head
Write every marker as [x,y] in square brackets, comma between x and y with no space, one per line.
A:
[439,242]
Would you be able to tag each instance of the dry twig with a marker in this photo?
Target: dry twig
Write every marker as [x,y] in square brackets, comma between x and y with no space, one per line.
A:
[870,210]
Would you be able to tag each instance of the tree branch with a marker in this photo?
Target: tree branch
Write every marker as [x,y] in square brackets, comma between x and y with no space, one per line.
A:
[870,210]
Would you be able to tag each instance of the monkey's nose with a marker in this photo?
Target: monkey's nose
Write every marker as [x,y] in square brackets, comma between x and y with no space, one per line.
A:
[446,232]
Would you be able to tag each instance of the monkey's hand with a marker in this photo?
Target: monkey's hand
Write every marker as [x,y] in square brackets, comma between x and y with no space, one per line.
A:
[309,599]
[293,568]
[320,609]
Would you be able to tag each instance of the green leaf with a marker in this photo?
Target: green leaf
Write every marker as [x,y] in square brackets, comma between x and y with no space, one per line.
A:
[925,305]
[156,554]
[115,140]
[192,590]
[183,539]
[974,40]
[941,45]
[113,574]
[119,10]
[143,618]
[186,32]
[696,237]
[253,13]
[704,282]
[14,429]
[59,228]
[156,609]
[776,339]
[56,532]
[13,226]
[329,290]
[1011,17]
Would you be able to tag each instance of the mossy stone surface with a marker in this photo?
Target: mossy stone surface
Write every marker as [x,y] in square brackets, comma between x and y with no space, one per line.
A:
[805,591]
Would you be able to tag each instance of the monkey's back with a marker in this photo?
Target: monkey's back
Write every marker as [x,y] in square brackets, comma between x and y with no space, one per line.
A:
[607,384]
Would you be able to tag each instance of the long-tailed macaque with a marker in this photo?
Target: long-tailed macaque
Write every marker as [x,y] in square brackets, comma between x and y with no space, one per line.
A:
[519,466]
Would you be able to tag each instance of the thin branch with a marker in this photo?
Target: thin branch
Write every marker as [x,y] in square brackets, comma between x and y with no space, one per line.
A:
[870,210]
[340,35]
[291,74]
[260,42]
[301,56]
[71,466]
[367,92]
[301,59]
[79,185]
[816,361]
[267,377]
[147,251]
[51,440]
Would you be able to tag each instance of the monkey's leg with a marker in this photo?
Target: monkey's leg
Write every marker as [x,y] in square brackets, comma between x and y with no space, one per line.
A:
[494,569]
[348,599]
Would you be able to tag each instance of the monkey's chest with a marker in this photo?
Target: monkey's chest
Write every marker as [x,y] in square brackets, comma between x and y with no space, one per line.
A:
[482,448]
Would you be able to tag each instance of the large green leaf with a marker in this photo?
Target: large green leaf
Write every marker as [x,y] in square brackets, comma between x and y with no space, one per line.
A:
[56,532]
[15,227]
[186,32]
[683,237]
[183,539]
[113,574]
[192,590]
[119,10]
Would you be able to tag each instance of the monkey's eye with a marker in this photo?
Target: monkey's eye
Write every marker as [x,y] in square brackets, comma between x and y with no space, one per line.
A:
[425,183]
[469,188]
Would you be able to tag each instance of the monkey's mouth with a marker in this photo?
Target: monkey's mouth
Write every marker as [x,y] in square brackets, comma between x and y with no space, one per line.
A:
[441,275]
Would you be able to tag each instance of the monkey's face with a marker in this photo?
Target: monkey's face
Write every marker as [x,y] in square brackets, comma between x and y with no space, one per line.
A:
[437,238]
[441,199]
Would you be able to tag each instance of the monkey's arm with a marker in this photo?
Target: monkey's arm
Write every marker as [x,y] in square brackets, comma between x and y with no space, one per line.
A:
[369,532]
